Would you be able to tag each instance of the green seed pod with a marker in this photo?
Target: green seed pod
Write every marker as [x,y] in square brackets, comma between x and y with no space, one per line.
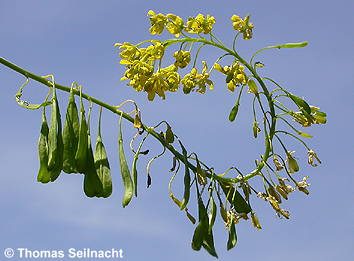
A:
[271,191]
[256,129]
[233,112]
[292,164]
[55,142]
[232,240]
[81,152]
[212,215]
[198,235]
[252,87]
[208,244]
[190,217]
[127,180]
[255,221]
[102,164]
[235,199]
[43,173]
[223,212]
[92,184]
[70,136]
[169,136]
[187,178]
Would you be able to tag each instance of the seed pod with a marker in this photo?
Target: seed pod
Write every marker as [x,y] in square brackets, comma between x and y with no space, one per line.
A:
[70,136]
[127,180]
[232,240]
[255,221]
[235,198]
[137,121]
[187,178]
[256,129]
[170,137]
[190,217]
[43,173]
[234,111]
[55,141]
[81,158]
[202,228]
[292,163]
[223,212]
[212,215]
[102,164]
[252,87]
[271,191]
[92,184]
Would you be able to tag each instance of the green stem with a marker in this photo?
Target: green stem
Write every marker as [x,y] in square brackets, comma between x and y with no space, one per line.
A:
[259,80]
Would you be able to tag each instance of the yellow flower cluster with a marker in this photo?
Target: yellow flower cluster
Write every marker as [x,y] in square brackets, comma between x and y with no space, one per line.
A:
[175,25]
[243,26]
[193,79]
[182,58]
[140,69]
[200,24]
[235,75]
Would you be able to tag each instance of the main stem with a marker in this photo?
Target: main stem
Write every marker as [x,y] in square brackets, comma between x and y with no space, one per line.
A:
[126,116]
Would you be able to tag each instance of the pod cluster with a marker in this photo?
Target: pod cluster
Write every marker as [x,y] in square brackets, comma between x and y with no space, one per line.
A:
[69,149]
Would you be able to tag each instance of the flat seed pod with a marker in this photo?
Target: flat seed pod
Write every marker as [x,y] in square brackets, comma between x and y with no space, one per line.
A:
[187,178]
[43,173]
[124,170]
[235,199]
[70,136]
[55,142]
[92,183]
[81,152]
[102,168]
[53,137]
[232,240]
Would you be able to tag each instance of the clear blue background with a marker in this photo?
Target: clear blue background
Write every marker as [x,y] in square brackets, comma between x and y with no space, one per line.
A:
[74,41]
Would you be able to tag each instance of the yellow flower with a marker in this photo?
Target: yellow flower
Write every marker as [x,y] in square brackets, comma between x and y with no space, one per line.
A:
[182,58]
[200,24]
[243,26]
[155,51]
[302,185]
[312,157]
[166,79]
[158,22]
[174,25]
[129,52]
[235,75]
[189,81]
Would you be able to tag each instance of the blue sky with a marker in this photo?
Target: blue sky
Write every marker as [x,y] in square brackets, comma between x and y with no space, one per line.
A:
[74,41]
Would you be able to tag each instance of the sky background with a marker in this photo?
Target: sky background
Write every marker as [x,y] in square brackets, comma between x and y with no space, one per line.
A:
[74,41]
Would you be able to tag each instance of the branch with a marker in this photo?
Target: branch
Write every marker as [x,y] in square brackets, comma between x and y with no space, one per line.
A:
[126,116]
